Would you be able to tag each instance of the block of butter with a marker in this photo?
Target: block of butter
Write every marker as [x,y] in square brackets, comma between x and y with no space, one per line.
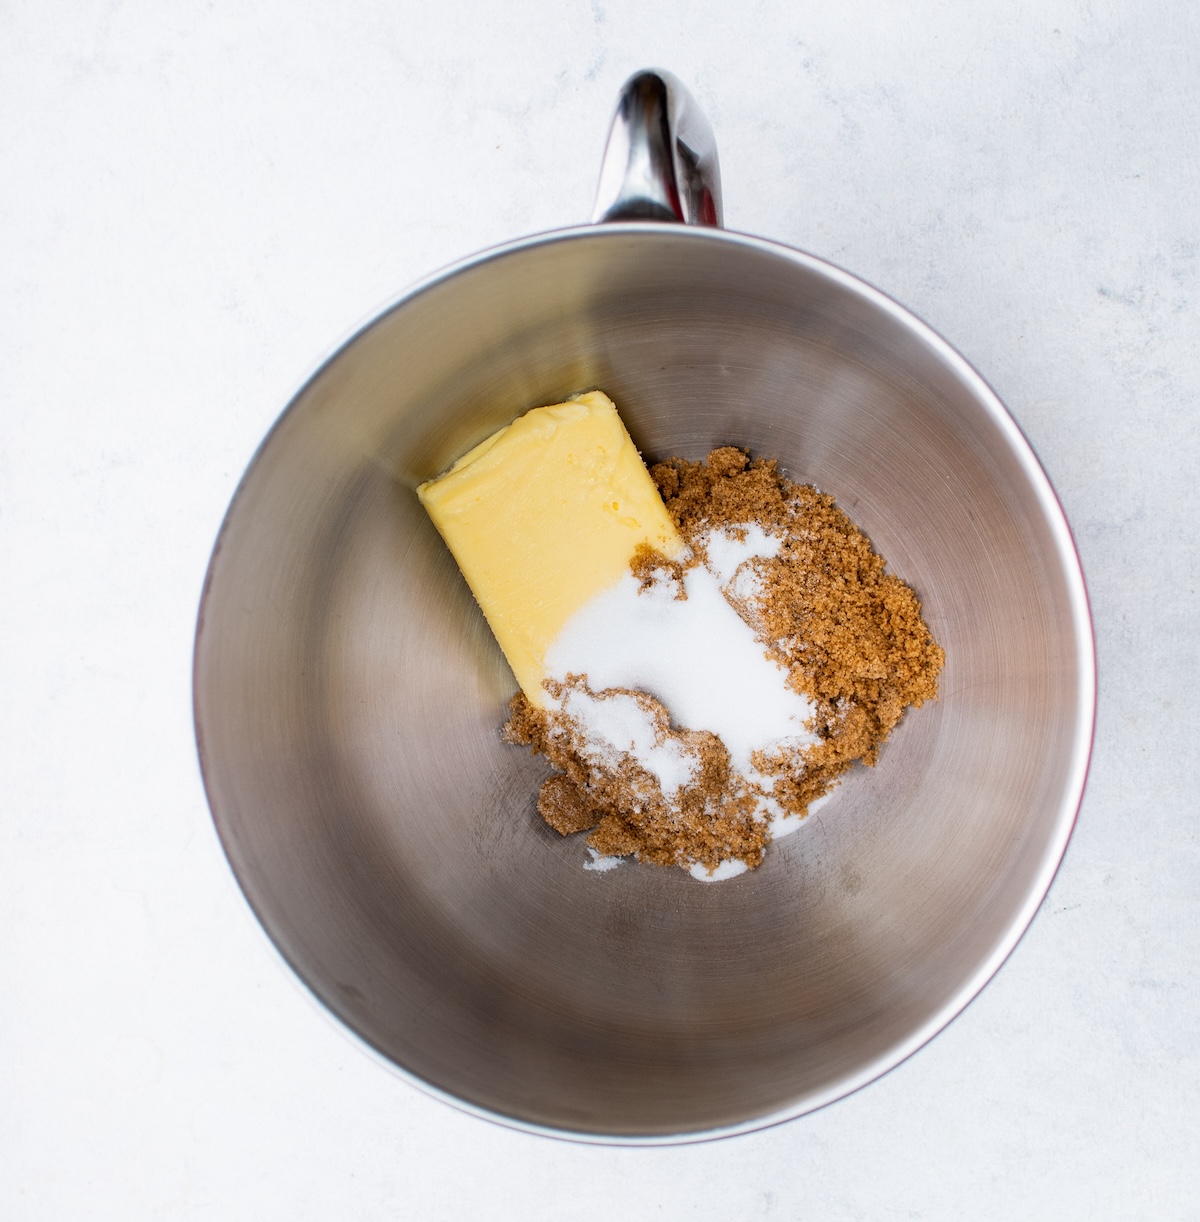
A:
[542,516]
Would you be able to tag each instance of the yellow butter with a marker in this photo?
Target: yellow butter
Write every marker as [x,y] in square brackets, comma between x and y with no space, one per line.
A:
[542,516]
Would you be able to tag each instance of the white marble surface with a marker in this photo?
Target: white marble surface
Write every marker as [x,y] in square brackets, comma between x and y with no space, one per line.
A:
[199,199]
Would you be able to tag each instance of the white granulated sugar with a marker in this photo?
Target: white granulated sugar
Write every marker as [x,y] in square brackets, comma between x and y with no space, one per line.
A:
[696,656]
[701,660]
[727,869]
[746,585]
[727,553]
[596,862]
[618,725]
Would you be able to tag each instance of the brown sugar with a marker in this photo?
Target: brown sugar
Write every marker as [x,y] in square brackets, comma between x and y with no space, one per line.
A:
[708,820]
[567,806]
[849,635]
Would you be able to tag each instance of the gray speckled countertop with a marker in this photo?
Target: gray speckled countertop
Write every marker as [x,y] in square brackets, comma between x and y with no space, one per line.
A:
[201,198]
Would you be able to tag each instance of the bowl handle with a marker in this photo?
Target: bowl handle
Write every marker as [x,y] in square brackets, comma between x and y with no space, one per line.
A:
[660,163]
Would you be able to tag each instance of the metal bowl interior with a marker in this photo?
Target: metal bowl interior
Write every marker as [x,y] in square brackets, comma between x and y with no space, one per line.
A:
[349,694]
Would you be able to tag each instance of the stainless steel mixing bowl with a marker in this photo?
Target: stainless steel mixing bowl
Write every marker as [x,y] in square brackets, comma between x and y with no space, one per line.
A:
[349,694]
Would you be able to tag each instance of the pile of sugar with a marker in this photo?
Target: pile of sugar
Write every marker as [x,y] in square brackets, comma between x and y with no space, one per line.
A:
[701,706]
[694,654]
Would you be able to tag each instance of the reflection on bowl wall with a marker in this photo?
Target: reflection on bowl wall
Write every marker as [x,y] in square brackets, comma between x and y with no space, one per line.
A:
[349,697]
